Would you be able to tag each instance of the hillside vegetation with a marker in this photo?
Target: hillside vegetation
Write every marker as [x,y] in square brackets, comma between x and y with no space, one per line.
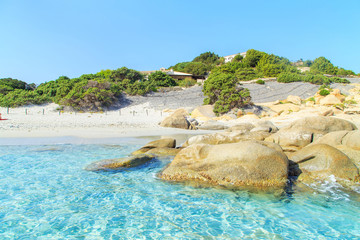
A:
[96,92]
[92,92]
[222,87]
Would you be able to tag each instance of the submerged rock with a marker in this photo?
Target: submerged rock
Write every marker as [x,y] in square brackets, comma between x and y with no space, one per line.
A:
[247,163]
[119,163]
[161,143]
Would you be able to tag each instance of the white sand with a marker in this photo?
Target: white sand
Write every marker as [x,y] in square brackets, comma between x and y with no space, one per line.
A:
[45,121]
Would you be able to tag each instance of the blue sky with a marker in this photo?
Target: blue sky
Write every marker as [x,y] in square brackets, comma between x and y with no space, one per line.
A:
[42,40]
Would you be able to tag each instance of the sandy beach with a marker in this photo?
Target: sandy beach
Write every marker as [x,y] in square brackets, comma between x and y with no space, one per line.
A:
[140,116]
[47,121]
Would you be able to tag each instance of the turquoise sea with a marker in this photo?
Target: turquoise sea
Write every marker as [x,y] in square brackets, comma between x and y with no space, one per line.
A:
[46,194]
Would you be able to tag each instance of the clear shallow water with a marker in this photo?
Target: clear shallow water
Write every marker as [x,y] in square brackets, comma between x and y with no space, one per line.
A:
[46,194]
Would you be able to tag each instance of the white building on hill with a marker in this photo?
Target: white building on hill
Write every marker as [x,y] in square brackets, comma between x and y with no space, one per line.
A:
[231,57]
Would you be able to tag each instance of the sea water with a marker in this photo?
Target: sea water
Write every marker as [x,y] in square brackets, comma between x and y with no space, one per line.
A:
[45,193]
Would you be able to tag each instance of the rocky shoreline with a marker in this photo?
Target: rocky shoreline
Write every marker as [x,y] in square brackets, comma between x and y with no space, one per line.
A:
[287,141]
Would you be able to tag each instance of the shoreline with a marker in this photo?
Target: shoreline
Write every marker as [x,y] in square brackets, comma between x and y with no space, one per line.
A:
[94,135]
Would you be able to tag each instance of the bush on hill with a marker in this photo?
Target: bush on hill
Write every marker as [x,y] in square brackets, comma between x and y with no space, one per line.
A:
[324,66]
[196,68]
[246,74]
[187,82]
[9,84]
[238,58]
[200,65]
[161,79]
[253,57]
[90,92]
[207,58]
[317,79]
[343,72]
[222,90]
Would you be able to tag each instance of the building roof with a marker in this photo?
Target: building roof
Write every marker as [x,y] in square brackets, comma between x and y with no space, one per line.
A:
[171,72]
[168,72]
[233,55]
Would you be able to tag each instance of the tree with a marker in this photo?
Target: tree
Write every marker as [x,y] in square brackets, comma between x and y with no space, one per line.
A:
[120,74]
[161,79]
[324,66]
[196,68]
[222,90]
[207,58]
[13,83]
[238,58]
[245,74]
[343,72]
[253,57]
[308,63]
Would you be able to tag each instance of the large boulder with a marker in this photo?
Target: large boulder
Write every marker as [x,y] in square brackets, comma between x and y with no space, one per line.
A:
[226,137]
[177,120]
[258,126]
[352,140]
[306,130]
[247,163]
[213,139]
[294,99]
[242,127]
[353,154]
[347,142]
[161,143]
[164,151]
[212,125]
[286,107]
[349,139]
[264,126]
[203,113]
[330,100]
[119,163]
[322,161]
[332,138]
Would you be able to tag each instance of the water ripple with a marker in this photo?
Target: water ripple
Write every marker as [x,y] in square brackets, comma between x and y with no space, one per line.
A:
[46,194]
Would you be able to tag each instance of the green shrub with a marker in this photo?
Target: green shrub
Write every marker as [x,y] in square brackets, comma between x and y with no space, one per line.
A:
[238,58]
[260,81]
[187,82]
[321,65]
[90,92]
[222,90]
[311,99]
[317,79]
[252,57]
[339,80]
[207,58]
[161,79]
[245,74]
[324,92]
[343,72]
[287,77]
